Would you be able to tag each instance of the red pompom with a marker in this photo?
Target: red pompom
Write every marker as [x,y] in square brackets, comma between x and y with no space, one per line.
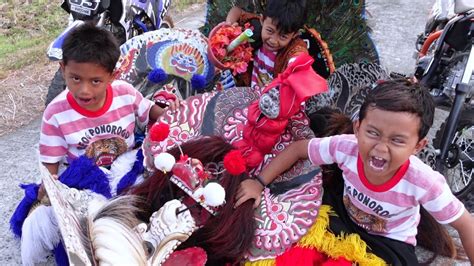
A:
[159,131]
[234,162]
[303,256]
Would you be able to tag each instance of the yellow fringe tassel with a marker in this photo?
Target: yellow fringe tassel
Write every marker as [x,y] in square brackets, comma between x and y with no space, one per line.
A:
[268,262]
[350,246]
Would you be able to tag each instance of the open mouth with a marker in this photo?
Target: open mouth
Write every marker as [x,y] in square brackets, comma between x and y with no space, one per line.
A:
[85,101]
[270,47]
[162,103]
[377,163]
[105,159]
[163,98]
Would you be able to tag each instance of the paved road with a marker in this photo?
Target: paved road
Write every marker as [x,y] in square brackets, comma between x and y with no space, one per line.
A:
[395,26]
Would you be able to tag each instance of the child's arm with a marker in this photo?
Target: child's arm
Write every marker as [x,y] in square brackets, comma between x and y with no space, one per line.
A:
[156,111]
[53,169]
[234,15]
[465,227]
[252,188]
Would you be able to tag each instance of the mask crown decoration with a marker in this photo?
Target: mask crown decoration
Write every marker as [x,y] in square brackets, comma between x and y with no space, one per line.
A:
[191,176]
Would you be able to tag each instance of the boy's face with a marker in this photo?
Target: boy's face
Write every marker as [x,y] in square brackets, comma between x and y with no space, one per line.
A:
[87,82]
[386,140]
[272,38]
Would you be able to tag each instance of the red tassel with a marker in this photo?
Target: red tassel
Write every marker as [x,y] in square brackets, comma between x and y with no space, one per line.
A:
[300,256]
[159,131]
[234,162]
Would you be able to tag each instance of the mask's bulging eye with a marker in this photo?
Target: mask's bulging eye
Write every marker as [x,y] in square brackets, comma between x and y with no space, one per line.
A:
[269,103]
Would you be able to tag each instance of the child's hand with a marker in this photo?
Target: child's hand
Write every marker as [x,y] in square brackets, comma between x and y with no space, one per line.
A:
[42,190]
[174,105]
[233,24]
[249,189]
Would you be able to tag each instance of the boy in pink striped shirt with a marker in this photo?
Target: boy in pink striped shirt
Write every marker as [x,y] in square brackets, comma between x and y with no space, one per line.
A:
[384,183]
[95,116]
[94,107]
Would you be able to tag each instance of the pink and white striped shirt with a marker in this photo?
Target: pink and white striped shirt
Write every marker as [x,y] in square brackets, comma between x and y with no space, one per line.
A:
[263,66]
[391,209]
[67,129]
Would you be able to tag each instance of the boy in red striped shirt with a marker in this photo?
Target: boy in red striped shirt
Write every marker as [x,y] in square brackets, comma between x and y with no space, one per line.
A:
[94,107]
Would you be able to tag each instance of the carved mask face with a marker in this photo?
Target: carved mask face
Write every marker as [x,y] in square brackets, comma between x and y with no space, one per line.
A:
[269,103]
[105,151]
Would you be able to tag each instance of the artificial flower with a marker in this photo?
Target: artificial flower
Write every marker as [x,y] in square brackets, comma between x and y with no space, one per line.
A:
[237,60]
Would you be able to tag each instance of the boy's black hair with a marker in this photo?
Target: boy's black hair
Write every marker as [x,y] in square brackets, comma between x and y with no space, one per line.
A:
[402,95]
[90,44]
[289,15]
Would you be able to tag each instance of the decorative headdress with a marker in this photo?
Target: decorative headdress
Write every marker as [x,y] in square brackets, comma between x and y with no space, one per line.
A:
[154,56]
[199,182]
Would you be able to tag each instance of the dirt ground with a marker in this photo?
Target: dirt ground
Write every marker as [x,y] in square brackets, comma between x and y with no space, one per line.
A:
[23,92]
[22,95]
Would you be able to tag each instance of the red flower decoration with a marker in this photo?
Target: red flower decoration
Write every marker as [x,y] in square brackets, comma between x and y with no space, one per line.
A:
[159,131]
[234,162]
[202,175]
[238,59]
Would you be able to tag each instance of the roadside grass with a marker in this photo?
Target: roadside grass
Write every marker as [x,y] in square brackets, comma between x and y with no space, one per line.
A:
[180,5]
[28,27]
[26,31]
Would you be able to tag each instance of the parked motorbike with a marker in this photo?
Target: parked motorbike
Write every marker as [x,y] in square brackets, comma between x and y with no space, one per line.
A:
[445,65]
[124,18]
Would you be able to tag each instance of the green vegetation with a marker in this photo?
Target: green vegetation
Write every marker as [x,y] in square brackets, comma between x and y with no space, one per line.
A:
[26,29]
[182,4]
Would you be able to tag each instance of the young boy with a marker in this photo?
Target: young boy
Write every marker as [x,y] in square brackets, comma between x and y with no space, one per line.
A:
[95,116]
[384,183]
[94,107]
[280,25]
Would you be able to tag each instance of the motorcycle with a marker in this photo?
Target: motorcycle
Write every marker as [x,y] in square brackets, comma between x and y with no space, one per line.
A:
[125,19]
[445,65]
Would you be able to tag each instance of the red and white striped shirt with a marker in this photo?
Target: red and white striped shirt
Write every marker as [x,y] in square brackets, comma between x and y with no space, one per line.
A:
[263,66]
[67,129]
[391,209]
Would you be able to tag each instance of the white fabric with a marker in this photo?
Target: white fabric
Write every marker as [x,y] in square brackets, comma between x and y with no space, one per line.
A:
[40,234]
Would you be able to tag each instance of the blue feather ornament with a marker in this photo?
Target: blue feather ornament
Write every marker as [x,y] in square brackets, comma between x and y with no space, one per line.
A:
[157,75]
[198,82]
[19,216]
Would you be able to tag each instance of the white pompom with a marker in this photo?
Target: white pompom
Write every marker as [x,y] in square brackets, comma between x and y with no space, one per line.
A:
[198,193]
[164,162]
[214,194]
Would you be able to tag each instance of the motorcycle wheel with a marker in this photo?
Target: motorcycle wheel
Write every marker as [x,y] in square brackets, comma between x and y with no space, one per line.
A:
[56,86]
[458,168]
